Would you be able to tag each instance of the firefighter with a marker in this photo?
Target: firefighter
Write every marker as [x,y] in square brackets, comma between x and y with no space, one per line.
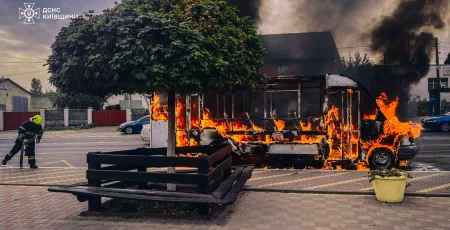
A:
[30,133]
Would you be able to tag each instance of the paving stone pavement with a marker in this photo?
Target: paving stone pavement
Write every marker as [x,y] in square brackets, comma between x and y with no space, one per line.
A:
[35,208]
[285,180]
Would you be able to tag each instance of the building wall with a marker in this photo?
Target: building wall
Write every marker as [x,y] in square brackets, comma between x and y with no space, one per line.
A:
[301,67]
[38,103]
[12,90]
[421,88]
[138,102]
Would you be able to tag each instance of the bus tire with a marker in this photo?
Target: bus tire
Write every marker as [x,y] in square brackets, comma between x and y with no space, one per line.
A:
[381,159]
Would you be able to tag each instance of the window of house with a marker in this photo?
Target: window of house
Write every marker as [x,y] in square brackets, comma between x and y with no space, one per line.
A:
[444,83]
[283,70]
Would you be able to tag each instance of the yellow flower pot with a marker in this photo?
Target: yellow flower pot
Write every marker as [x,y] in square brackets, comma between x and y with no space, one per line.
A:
[390,189]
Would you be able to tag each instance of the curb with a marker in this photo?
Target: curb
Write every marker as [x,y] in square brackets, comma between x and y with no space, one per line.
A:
[358,193]
[299,191]
[34,185]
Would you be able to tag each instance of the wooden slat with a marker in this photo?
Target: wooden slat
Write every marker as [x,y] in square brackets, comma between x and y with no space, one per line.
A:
[219,155]
[187,149]
[94,203]
[231,196]
[148,161]
[146,177]
[226,185]
[219,169]
[213,185]
[101,193]
[119,167]
[138,192]
[120,152]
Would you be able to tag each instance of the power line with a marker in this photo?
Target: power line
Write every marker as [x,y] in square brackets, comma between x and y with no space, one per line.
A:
[24,62]
[353,47]
[10,75]
[16,66]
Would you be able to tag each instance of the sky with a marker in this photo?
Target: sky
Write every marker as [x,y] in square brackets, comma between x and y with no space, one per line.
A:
[24,48]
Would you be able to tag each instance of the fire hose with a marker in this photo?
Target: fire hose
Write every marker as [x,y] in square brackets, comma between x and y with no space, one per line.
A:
[23,149]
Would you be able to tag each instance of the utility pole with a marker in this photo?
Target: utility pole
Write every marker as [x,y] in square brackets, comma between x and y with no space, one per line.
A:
[436,44]
[437,94]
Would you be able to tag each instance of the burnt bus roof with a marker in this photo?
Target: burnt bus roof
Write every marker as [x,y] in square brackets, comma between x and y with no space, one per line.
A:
[329,81]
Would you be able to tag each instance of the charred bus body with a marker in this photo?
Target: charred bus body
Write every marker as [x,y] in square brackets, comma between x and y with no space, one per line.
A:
[327,118]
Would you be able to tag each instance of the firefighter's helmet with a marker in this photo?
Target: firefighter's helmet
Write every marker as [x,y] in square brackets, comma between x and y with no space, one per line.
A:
[37,119]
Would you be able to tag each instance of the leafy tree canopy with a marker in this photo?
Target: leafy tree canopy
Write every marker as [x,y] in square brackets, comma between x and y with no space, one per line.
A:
[36,87]
[357,61]
[142,46]
[76,101]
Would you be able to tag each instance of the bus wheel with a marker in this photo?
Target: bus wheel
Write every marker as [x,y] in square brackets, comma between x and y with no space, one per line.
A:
[381,159]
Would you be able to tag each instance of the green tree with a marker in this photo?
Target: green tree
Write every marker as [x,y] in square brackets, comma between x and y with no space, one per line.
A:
[36,87]
[145,46]
[357,61]
[76,101]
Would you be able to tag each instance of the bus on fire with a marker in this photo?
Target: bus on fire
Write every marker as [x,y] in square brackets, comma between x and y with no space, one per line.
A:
[329,118]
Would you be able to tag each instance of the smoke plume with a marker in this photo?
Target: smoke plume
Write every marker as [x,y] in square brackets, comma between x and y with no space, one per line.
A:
[406,36]
[348,20]
[383,28]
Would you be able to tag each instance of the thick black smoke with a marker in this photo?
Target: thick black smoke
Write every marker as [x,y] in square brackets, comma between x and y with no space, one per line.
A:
[404,40]
[401,37]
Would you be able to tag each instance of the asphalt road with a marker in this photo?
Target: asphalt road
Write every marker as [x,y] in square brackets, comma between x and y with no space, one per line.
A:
[68,149]
[433,152]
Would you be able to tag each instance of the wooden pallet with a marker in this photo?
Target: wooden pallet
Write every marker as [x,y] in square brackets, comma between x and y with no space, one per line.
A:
[126,177]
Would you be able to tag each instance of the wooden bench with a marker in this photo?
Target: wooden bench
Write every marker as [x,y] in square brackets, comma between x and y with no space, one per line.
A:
[124,174]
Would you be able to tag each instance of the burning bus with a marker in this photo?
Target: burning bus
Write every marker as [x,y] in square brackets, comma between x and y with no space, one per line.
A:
[329,118]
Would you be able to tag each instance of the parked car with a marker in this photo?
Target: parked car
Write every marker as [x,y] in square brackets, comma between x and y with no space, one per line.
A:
[145,133]
[440,123]
[134,127]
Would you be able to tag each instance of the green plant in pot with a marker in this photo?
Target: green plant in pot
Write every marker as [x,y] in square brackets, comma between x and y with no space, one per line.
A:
[389,184]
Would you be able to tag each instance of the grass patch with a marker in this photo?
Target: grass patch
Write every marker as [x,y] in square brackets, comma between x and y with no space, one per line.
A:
[136,206]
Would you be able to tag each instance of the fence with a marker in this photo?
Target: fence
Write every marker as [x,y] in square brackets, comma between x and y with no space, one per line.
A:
[71,117]
[13,120]
[109,117]
[78,116]
[54,118]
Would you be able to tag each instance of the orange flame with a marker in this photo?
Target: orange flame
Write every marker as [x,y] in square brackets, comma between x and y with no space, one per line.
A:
[155,107]
[369,117]
[280,124]
[181,139]
[362,166]
[334,133]
[306,127]
[304,139]
[393,128]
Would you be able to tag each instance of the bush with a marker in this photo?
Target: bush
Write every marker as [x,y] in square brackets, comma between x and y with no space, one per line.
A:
[113,107]
[71,127]
[423,107]
[386,173]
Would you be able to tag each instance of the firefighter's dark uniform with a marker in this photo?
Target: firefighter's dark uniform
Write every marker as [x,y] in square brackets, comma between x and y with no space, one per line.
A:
[30,132]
